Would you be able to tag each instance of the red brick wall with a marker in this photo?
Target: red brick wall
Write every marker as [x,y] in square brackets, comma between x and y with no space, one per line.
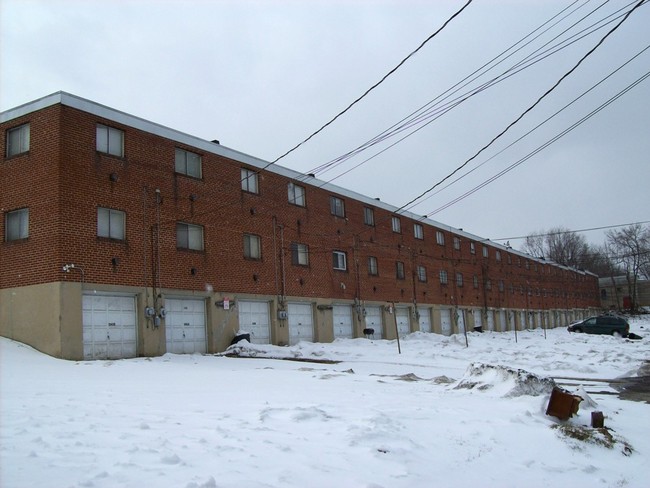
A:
[227,213]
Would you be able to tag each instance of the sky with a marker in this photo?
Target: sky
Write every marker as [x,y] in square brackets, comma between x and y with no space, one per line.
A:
[439,413]
[261,76]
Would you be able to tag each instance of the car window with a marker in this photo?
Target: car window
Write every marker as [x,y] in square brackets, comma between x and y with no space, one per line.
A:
[602,321]
[591,321]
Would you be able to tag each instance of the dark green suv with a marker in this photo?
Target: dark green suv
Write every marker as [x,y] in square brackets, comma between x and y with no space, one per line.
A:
[603,324]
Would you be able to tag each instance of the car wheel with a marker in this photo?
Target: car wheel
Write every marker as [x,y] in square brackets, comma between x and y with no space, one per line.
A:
[577,329]
[617,334]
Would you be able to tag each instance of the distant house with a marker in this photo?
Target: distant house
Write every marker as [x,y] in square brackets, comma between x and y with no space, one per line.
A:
[615,293]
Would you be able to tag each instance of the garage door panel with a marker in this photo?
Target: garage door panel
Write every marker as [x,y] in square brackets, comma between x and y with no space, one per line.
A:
[342,321]
[109,327]
[373,321]
[185,325]
[301,322]
[254,318]
[425,320]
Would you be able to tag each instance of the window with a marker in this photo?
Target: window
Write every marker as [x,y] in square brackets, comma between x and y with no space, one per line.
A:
[399,270]
[296,194]
[509,258]
[422,274]
[337,207]
[339,260]
[188,163]
[440,239]
[418,231]
[472,248]
[488,284]
[501,286]
[299,254]
[459,279]
[527,264]
[189,236]
[368,216]
[372,266]
[485,251]
[443,277]
[456,243]
[252,246]
[396,224]
[17,225]
[111,223]
[497,255]
[18,140]
[475,281]
[249,181]
[110,140]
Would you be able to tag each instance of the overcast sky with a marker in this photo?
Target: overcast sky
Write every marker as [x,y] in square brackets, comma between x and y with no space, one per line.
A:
[262,76]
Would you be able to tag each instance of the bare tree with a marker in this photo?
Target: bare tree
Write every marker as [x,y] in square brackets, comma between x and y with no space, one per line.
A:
[560,245]
[631,246]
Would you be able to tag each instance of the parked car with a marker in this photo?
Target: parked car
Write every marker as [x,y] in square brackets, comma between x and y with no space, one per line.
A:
[603,324]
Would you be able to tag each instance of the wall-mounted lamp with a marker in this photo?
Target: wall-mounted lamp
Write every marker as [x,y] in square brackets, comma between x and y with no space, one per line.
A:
[193,197]
[193,271]
[115,262]
[113,177]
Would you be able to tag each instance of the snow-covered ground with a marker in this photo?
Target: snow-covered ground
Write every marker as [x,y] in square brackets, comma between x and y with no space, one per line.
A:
[374,419]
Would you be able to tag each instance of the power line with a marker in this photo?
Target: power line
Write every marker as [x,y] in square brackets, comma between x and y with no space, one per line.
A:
[372,87]
[572,231]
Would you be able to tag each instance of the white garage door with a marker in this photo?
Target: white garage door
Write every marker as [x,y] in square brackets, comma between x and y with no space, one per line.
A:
[512,324]
[445,321]
[502,321]
[342,318]
[301,322]
[109,330]
[185,326]
[425,320]
[490,320]
[373,321]
[460,318]
[254,319]
[403,324]
[478,318]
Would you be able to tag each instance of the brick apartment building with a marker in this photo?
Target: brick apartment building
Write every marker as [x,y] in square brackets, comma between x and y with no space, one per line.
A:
[125,238]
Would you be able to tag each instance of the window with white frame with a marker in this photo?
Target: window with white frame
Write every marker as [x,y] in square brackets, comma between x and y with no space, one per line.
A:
[17,140]
[443,277]
[339,260]
[188,163]
[418,231]
[299,254]
[472,248]
[485,251]
[372,266]
[508,258]
[497,255]
[459,279]
[422,274]
[252,246]
[368,216]
[296,194]
[475,281]
[502,286]
[399,270]
[440,238]
[110,140]
[111,223]
[396,224]
[249,181]
[337,206]
[488,284]
[457,243]
[17,225]
[189,236]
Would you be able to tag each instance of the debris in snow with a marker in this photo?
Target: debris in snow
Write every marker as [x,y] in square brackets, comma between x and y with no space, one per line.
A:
[578,436]
[588,402]
[563,404]
[509,382]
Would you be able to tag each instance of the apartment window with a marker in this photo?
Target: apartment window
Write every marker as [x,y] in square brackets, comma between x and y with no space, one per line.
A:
[396,224]
[252,246]
[249,181]
[17,140]
[110,140]
[368,216]
[501,286]
[422,274]
[399,270]
[17,225]
[475,281]
[337,206]
[440,238]
[339,260]
[372,266]
[509,258]
[527,264]
[443,277]
[497,256]
[418,231]
[456,243]
[459,279]
[488,284]
[111,223]
[296,194]
[299,254]
[188,163]
[485,251]
[189,236]
[472,248]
